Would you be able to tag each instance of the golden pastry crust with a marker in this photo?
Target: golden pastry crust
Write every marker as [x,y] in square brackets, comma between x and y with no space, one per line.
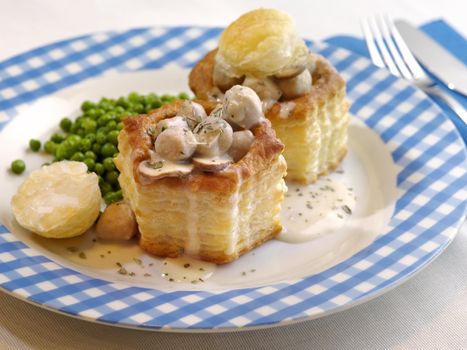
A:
[224,203]
[314,132]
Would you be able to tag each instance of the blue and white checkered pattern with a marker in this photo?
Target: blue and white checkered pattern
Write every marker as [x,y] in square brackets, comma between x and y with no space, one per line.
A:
[422,142]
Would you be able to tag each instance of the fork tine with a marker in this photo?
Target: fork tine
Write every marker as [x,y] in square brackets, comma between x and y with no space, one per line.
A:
[409,59]
[370,43]
[401,65]
[382,47]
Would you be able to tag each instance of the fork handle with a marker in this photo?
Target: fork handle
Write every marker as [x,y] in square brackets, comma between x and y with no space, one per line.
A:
[450,101]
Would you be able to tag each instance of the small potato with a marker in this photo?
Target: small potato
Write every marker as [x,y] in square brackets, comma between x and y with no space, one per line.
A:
[117,222]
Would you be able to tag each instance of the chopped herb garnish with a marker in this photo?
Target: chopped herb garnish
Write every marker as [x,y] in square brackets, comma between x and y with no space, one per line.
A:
[253,270]
[122,271]
[346,209]
[132,274]
[72,249]
[147,275]
[171,279]
[186,266]
[201,269]
[243,273]
[156,165]
[82,255]
[102,256]
[138,261]
[119,264]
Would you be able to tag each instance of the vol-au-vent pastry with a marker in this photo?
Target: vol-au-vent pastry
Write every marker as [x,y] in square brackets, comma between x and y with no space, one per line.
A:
[207,182]
[301,93]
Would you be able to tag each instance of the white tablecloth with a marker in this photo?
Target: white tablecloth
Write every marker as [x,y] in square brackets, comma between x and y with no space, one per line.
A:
[427,312]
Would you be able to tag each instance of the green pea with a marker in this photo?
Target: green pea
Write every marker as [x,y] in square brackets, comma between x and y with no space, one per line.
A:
[86,105]
[90,154]
[91,137]
[183,96]
[92,113]
[120,126]
[112,177]
[78,156]
[90,163]
[105,187]
[101,137]
[112,197]
[99,169]
[133,97]
[89,125]
[57,138]
[104,119]
[85,145]
[167,98]
[139,108]
[96,148]
[112,137]
[108,150]
[100,179]
[108,164]
[65,124]
[64,151]
[34,145]
[18,166]
[50,147]
[112,125]
[74,128]
[73,139]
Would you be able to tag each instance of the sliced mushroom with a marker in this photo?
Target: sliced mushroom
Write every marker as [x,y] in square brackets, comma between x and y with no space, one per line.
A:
[222,79]
[266,89]
[175,143]
[214,164]
[162,168]
[296,86]
[214,137]
[117,222]
[290,72]
[242,107]
[165,124]
[241,144]
[193,113]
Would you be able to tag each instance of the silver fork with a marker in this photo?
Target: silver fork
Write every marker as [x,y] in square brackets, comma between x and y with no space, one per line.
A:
[388,50]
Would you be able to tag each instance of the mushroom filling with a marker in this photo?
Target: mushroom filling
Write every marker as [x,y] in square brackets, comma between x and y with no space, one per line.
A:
[286,85]
[192,139]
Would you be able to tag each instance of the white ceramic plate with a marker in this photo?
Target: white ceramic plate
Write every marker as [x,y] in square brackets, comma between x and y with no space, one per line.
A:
[407,210]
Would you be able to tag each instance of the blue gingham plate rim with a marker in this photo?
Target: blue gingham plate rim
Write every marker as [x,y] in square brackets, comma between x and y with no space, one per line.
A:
[422,141]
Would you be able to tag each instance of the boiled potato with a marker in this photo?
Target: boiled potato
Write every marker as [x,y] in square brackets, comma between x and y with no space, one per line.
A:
[61,200]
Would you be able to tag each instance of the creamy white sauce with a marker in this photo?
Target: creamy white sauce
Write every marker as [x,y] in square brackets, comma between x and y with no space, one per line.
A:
[314,210]
[287,109]
[186,270]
